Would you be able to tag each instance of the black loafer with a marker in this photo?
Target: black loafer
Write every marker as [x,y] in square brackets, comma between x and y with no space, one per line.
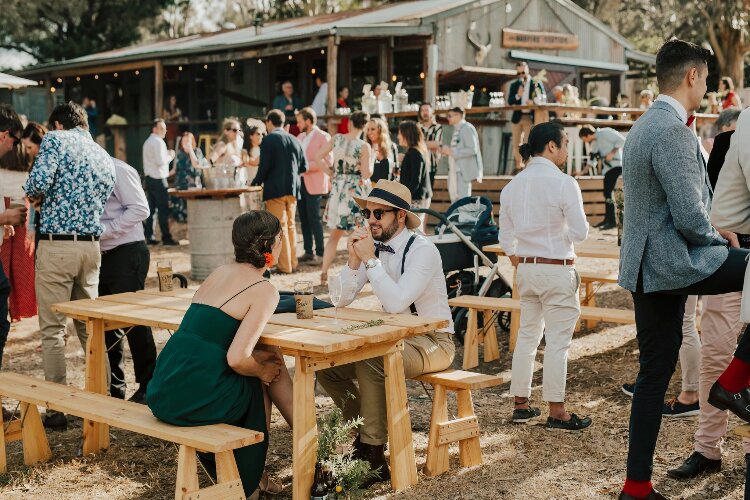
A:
[523,415]
[654,495]
[738,403]
[695,465]
[575,423]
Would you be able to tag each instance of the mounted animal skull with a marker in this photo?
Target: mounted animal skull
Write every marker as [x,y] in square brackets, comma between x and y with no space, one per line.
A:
[482,49]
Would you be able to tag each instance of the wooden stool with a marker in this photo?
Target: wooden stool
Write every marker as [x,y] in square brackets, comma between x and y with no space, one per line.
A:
[464,429]
[487,336]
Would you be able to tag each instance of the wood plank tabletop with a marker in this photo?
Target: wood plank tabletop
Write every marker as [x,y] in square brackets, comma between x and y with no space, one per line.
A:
[597,249]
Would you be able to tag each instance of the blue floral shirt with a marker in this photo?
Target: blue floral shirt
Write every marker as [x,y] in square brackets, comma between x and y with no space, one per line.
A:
[75,176]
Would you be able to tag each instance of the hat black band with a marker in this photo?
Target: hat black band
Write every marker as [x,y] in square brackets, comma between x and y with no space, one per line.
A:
[390,198]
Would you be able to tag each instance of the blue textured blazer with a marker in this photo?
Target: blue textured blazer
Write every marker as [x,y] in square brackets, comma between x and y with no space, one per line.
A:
[667,232]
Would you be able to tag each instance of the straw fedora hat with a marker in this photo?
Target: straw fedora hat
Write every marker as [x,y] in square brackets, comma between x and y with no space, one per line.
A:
[394,194]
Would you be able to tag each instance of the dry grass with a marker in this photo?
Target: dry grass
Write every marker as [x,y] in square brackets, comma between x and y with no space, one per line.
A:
[521,462]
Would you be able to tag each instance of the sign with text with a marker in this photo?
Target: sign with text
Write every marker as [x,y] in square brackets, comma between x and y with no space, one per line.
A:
[519,39]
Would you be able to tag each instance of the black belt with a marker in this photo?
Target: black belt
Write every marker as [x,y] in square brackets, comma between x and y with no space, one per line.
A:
[123,246]
[69,237]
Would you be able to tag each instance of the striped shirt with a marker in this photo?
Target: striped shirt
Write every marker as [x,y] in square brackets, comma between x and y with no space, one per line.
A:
[433,133]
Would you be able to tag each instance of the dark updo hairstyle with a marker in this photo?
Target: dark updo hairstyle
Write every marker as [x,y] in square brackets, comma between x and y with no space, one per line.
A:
[359,119]
[253,234]
[539,137]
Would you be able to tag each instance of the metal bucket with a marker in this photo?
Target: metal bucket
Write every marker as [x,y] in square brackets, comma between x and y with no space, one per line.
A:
[219,177]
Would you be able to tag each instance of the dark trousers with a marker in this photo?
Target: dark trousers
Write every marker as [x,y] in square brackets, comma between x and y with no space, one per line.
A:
[158,201]
[312,225]
[4,321]
[610,179]
[658,320]
[124,269]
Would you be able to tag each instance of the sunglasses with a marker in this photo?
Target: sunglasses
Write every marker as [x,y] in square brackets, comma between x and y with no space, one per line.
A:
[16,140]
[378,212]
[232,129]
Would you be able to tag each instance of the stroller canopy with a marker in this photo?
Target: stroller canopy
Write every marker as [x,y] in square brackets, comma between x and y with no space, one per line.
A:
[473,216]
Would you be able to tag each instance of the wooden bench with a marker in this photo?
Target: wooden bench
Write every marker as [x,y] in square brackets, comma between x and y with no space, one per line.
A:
[588,293]
[464,429]
[489,336]
[220,439]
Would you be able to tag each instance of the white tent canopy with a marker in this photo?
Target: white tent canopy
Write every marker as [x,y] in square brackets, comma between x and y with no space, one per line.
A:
[14,82]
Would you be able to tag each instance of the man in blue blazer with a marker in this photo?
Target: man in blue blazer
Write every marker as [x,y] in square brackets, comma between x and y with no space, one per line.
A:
[670,250]
[523,91]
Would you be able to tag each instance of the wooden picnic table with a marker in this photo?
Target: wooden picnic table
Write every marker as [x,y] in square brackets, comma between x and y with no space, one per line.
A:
[595,249]
[315,344]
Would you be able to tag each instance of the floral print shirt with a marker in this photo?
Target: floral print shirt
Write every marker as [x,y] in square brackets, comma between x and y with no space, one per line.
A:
[75,176]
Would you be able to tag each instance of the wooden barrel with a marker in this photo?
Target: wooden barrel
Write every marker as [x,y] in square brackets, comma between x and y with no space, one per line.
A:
[210,232]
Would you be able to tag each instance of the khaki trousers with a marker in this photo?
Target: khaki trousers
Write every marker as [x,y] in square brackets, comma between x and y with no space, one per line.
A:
[65,270]
[428,353]
[520,132]
[284,209]
[549,307]
[690,350]
[720,325]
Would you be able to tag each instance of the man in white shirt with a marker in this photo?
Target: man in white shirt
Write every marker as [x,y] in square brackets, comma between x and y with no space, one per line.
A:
[156,159]
[125,261]
[541,217]
[406,274]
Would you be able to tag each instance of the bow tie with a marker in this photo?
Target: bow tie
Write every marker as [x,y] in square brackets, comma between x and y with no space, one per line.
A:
[380,247]
[690,120]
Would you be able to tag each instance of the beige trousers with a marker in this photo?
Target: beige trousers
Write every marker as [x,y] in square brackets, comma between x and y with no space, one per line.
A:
[520,135]
[65,270]
[720,326]
[428,353]
[284,209]
[690,350]
[549,307]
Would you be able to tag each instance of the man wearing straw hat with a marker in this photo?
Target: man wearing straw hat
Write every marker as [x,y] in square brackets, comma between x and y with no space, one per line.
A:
[406,274]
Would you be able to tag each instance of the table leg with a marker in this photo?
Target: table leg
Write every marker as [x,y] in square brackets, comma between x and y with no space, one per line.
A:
[401,446]
[515,316]
[95,434]
[305,431]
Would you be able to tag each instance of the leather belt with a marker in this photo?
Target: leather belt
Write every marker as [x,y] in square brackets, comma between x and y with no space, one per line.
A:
[544,260]
[123,246]
[69,237]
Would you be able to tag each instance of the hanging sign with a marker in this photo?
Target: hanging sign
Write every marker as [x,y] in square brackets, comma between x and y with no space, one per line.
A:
[519,39]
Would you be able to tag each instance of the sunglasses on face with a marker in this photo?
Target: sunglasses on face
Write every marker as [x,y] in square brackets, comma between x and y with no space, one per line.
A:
[232,129]
[16,140]
[377,213]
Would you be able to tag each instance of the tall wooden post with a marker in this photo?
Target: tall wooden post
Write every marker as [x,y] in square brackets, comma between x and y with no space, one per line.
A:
[332,58]
[158,89]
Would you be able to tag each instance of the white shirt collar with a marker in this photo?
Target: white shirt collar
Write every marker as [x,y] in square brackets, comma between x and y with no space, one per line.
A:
[541,160]
[681,111]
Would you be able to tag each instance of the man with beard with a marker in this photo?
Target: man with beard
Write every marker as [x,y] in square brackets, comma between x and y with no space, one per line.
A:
[433,136]
[406,274]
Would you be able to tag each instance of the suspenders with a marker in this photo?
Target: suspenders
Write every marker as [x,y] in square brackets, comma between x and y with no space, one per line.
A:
[412,307]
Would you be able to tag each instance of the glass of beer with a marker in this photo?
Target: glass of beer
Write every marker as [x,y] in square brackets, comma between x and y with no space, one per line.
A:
[303,299]
[164,271]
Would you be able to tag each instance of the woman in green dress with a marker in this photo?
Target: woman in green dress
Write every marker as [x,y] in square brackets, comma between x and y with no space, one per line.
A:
[212,369]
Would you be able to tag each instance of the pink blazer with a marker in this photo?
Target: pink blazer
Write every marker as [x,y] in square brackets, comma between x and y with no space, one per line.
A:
[316,181]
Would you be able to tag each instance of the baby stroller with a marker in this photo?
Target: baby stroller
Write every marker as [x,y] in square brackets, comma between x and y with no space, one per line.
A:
[463,230]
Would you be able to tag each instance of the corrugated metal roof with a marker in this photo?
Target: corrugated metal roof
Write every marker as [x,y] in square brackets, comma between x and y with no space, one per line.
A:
[411,17]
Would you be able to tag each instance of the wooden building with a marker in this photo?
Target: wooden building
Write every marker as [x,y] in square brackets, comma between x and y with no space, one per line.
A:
[432,46]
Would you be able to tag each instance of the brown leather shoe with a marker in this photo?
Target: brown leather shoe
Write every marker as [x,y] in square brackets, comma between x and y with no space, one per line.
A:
[654,495]
[375,456]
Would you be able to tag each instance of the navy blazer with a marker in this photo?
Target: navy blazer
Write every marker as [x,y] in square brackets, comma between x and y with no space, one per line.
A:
[537,89]
[282,160]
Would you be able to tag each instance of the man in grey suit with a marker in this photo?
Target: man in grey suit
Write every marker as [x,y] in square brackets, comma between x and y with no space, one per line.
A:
[464,150]
[670,250]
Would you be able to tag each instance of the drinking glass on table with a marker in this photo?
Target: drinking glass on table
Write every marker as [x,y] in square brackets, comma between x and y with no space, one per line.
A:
[164,271]
[334,293]
[303,299]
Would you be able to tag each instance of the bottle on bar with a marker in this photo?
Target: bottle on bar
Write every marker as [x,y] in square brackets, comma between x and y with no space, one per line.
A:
[319,490]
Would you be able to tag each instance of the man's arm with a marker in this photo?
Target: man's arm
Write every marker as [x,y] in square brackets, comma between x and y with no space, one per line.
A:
[352,282]
[396,297]
[505,226]
[513,99]
[45,167]
[264,167]
[129,192]
[680,174]
[575,216]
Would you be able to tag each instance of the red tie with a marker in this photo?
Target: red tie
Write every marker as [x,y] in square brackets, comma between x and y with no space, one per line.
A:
[690,120]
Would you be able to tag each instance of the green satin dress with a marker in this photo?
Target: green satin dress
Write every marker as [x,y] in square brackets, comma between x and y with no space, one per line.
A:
[193,385]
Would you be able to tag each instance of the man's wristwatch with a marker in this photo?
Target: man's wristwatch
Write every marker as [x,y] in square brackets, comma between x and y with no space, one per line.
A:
[372,263]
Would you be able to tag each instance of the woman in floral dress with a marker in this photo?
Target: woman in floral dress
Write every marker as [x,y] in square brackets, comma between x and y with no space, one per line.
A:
[350,176]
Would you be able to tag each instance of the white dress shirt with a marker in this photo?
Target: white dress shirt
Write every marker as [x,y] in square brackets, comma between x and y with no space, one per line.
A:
[422,284]
[319,102]
[126,209]
[541,213]
[156,158]
[681,111]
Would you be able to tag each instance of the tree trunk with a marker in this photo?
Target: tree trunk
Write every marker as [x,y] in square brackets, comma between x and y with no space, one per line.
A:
[734,66]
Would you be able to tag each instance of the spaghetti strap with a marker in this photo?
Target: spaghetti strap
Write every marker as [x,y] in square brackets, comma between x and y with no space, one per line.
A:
[243,290]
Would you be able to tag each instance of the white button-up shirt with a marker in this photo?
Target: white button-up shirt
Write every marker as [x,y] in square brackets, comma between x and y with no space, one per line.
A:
[541,213]
[155,158]
[126,209]
[422,284]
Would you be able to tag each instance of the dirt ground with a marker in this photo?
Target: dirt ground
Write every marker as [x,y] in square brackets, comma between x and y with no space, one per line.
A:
[520,461]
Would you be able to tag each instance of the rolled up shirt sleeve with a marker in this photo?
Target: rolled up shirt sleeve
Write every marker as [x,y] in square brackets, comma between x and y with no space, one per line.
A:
[42,174]
[397,296]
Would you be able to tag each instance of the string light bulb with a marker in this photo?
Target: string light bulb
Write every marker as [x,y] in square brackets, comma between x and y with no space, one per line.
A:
[96,77]
[471,87]
[323,51]
[205,66]
[231,64]
[59,80]
[137,72]
[115,75]
[260,60]
[290,57]
[421,75]
[394,78]
[313,71]
[78,78]
[179,68]
[52,90]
